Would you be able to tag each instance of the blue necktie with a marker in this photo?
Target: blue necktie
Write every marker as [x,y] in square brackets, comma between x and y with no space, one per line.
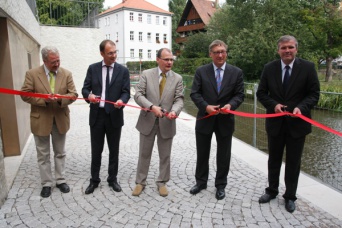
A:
[286,78]
[218,79]
[107,105]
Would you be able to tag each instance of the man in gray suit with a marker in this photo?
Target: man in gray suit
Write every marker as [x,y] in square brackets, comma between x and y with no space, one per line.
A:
[160,90]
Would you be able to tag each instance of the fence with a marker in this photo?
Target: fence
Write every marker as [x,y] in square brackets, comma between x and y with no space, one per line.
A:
[322,152]
[71,13]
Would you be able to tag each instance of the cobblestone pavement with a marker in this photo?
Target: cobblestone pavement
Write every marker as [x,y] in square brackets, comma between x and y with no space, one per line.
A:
[105,208]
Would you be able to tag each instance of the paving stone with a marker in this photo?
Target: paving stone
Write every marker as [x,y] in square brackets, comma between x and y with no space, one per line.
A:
[105,208]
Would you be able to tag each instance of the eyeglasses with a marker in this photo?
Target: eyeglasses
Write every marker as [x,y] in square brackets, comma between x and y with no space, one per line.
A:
[219,52]
[111,53]
[167,60]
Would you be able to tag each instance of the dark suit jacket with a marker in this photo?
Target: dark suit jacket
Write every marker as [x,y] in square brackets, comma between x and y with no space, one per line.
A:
[119,88]
[303,92]
[204,92]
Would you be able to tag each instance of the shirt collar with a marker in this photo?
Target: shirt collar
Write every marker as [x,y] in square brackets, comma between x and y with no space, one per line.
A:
[47,70]
[160,71]
[283,65]
[222,67]
[111,65]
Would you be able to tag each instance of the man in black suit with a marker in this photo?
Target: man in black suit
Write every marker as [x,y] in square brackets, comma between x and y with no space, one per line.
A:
[217,87]
[106,80]
[290,84]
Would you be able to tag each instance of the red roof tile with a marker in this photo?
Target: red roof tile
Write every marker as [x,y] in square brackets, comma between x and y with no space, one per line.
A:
[136,4]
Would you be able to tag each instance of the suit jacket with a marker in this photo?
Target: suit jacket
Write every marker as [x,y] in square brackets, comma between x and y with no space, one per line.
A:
[147,94]
[43,114]
[119,88]
[303,92]
[204,93]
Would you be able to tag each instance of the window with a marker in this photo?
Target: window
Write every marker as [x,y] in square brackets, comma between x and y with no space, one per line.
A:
[149,19]
[132,53]
[157,20]
[140,53]
[164,20]
[140,36]
[149,37]
[156,53]
[131,17]
[107,36]
[157,38]
[116,18]
[108,21]
[140,17]
[149,54]
[164,38]
[131,35]
[117,37]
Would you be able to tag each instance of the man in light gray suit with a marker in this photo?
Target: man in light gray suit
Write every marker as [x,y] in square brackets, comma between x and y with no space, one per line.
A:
[160,90]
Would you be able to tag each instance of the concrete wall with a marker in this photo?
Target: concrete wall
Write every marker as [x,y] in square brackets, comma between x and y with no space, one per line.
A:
[19,47]
[78,48]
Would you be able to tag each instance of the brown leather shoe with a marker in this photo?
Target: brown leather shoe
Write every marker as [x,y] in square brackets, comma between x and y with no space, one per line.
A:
[138,189]
[163,191]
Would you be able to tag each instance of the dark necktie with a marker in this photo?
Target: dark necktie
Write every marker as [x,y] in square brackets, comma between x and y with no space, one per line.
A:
[286,78]
[218,79]
[107,105]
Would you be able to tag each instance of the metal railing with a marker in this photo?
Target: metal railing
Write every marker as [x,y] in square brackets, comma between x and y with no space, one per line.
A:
[322,151]
[71,13]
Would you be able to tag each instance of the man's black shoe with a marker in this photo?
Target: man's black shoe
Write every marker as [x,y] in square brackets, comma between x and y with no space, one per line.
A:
[265,198]
[197,188]
[63,187]
[116,187]
[90,189]
[290,206]
[46,192]
[220,194]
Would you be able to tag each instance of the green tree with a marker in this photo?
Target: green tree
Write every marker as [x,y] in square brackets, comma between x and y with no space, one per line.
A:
[66,12]
[177,8]
[323,18]
[196,46]
[251,29]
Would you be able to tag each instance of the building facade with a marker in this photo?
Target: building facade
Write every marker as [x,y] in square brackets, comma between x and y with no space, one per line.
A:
[138,28]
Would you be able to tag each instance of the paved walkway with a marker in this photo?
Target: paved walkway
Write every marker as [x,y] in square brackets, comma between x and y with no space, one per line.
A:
[105,208]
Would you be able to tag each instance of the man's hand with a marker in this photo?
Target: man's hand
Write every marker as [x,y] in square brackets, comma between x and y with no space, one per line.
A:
[158,111]
[212,108]
[279,108]
[296,111]
[93,98]
[172,115]
[118,104]
[50,98]
[226,107]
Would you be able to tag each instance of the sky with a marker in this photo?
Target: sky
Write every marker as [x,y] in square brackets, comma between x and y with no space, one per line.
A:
[164,4]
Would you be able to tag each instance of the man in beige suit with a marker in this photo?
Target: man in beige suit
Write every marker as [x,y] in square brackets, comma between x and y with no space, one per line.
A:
[50,116]
[161,91]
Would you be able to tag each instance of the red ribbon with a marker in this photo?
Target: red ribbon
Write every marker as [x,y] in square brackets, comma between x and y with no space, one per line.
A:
[243,114]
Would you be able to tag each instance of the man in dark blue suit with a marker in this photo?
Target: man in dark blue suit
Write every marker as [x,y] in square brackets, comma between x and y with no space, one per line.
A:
[217,86]
[106,80]
[288,84]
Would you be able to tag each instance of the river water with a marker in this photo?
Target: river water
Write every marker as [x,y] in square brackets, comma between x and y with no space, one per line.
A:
[322,157]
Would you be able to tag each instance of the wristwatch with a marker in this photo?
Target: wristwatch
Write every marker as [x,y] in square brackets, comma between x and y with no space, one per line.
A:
[151,107]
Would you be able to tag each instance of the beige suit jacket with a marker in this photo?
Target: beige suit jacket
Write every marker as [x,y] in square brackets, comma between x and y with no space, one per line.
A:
[43,114]
[147,94]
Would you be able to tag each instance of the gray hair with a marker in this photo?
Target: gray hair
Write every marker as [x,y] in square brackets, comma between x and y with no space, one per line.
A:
[287,38]
[47,50]
[218,43]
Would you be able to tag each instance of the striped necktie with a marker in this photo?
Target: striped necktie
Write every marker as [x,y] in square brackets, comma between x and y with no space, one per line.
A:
[218,79]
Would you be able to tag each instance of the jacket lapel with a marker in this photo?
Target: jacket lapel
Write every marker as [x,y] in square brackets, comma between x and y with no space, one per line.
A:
[44,80]
[294,74]
[169,81]
[59,79]
[211,75]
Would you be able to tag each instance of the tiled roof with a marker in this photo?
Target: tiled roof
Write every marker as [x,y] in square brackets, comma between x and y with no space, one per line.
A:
[205,8]
[136,4]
